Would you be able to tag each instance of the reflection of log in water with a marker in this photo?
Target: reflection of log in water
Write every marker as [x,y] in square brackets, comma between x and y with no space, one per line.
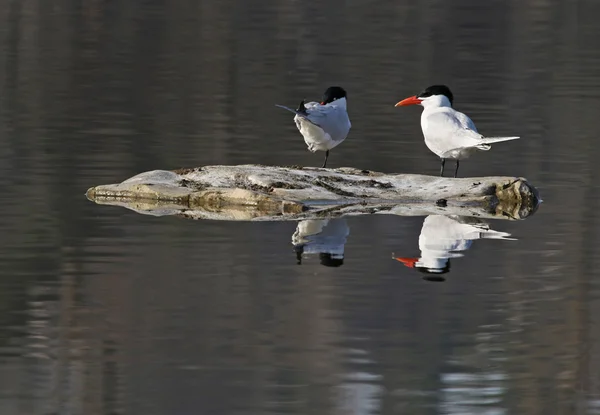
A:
[446,237]
[279,193]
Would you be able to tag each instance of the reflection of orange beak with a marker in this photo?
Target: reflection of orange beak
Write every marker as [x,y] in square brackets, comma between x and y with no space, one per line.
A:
[409,101]
[408,262]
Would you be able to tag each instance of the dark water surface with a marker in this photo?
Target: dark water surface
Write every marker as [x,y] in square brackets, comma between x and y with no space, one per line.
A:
[105,311]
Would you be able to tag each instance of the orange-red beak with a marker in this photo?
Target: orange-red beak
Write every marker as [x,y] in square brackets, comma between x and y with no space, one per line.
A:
[408,262]
[409,101]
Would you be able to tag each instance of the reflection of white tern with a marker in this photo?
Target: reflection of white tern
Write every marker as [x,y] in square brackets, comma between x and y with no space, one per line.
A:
[327,236]
[443,237]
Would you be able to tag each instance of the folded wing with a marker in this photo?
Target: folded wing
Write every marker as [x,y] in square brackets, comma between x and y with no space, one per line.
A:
[331,118]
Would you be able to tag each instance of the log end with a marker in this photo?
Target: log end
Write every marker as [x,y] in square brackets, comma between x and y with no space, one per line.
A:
[515,199]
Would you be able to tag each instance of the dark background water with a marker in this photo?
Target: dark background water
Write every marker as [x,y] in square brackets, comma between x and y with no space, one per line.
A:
[104,311]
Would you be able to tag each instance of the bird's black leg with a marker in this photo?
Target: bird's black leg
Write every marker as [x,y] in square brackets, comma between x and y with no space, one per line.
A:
[456,170]
[326,157]
[442,169]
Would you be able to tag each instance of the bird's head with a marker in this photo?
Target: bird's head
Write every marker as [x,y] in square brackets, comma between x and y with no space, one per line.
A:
[333,93]
[435,96]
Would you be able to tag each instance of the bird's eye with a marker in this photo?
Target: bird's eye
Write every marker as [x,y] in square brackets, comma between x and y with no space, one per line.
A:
[424,94]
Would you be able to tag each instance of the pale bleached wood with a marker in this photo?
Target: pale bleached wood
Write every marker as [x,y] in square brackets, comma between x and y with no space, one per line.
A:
[255,192]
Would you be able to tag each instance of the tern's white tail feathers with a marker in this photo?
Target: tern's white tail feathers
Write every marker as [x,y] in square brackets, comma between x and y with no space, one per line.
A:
[291,110]
[302,115]
[492,234]
[490,140]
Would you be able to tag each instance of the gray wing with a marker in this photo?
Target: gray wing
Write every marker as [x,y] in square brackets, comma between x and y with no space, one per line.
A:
[332,119]
[465,121]
[452,128]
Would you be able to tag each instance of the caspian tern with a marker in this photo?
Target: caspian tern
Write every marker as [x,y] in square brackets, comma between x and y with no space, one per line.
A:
[326,237]
[448,133]
[323,125]
[442,238]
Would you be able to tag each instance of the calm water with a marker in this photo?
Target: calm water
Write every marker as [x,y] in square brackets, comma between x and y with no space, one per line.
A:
[105,311]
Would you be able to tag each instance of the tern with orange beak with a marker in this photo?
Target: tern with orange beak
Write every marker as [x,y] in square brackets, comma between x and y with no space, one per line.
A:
[448,133]
[323,125]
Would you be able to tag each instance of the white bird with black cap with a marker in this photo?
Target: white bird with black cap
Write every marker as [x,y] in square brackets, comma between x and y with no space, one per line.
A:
[448,133]
[323,125]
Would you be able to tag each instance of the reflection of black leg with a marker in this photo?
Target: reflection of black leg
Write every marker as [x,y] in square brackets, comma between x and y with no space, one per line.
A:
[326,157]
[299,251]
[456,171]
[442,169]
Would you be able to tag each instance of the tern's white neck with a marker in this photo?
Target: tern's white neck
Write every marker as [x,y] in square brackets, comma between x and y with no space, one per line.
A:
[436,101]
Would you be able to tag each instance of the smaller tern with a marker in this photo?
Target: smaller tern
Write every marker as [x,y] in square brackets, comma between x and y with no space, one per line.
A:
[448,133]
[323,125]
[327,237]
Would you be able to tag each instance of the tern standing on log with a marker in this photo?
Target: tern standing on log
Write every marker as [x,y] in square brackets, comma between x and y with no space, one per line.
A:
[324,125]
[448,133]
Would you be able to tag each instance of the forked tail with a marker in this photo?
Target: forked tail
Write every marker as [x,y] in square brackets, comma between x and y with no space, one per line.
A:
[492,234]
[490,140]
[287,108]
[486,141]
[300,111]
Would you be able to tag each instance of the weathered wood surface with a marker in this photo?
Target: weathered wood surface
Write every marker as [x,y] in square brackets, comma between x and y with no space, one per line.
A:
[255,192]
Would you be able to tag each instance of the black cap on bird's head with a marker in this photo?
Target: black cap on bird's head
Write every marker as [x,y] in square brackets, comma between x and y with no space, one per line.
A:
[431,274]
[437,90]
[332,93]
[430,91]
[325,258]
[329,260]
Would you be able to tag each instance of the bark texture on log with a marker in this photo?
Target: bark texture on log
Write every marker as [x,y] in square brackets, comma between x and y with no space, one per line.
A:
[255,192]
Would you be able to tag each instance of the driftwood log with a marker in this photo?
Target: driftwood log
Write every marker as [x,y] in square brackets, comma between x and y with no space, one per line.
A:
[256,192]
